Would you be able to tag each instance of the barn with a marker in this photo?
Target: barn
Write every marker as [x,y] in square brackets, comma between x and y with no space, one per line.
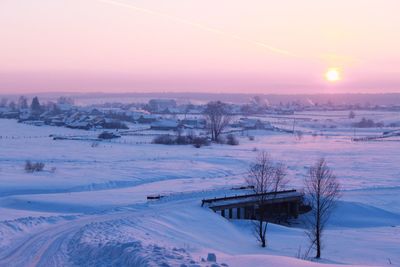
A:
[277,205]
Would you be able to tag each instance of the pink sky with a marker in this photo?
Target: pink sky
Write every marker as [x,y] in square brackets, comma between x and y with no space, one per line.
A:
[254,46]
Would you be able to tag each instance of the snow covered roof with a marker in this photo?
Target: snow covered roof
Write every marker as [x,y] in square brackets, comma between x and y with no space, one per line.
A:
[165,124]
[135,110]
[64,106]
[251,198]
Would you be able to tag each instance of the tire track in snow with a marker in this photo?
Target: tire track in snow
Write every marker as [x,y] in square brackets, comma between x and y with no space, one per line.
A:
[49,247]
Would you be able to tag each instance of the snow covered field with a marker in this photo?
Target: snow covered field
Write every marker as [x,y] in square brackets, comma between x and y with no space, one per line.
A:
[89,207]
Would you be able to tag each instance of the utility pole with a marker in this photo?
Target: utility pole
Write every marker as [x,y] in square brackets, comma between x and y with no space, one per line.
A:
[294,122]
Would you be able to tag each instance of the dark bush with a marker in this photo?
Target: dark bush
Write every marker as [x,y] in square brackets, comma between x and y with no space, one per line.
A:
[198,141]
[165,139]
[34,167]
[232,140]
[367,123]
[114,125]
[108,135]
[181,140]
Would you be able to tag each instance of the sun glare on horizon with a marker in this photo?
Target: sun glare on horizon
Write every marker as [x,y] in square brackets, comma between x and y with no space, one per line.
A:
[333,75]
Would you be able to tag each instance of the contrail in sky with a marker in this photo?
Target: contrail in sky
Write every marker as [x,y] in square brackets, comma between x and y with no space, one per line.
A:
[198,25]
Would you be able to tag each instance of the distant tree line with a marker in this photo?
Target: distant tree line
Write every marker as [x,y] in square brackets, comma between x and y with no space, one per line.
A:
[367,123]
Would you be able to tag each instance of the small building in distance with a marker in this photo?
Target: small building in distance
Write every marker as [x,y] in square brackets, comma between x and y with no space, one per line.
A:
[161,105]
[278,205]
[147,118]
[252,124]
[165,125]
[194,123]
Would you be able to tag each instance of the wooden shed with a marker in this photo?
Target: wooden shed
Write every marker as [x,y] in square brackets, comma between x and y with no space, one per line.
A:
[277,205]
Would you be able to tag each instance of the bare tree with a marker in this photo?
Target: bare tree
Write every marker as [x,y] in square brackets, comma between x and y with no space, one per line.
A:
[12,106]
[280,179]
[265,176]
[36,108]
[218,118]
[65,100]
[3,102]
[323,191]
[22,102]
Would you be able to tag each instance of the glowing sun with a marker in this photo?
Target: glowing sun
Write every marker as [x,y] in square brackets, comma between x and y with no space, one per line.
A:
[332,75]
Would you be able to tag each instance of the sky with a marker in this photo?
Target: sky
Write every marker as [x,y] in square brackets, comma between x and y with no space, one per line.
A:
[224,46]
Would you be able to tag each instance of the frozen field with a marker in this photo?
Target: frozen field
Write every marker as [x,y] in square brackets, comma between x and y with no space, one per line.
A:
[90,202]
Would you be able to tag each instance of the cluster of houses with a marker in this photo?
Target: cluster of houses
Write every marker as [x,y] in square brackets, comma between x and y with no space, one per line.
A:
[88,118]
[158,114]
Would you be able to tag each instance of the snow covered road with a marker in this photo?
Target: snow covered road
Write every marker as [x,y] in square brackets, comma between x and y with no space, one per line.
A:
[47,247]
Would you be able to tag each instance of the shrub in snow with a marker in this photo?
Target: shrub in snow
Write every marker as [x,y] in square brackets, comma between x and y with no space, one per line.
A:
[34,167]
[299,135]
[114,125]
[211,257]
[108,135]
[200,141]
[181,140]
[165,139]
[367,123]
[232,140]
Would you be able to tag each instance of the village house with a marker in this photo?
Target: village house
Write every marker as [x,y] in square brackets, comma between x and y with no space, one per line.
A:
[252,124]
[8,113]
[161,105]
[135,113]
[147,118]
[166,125]
[194,123]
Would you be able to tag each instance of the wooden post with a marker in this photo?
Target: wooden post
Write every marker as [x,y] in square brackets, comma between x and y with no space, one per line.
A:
[296,209]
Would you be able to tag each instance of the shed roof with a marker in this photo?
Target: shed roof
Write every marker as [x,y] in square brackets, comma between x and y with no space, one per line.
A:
[271,197]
